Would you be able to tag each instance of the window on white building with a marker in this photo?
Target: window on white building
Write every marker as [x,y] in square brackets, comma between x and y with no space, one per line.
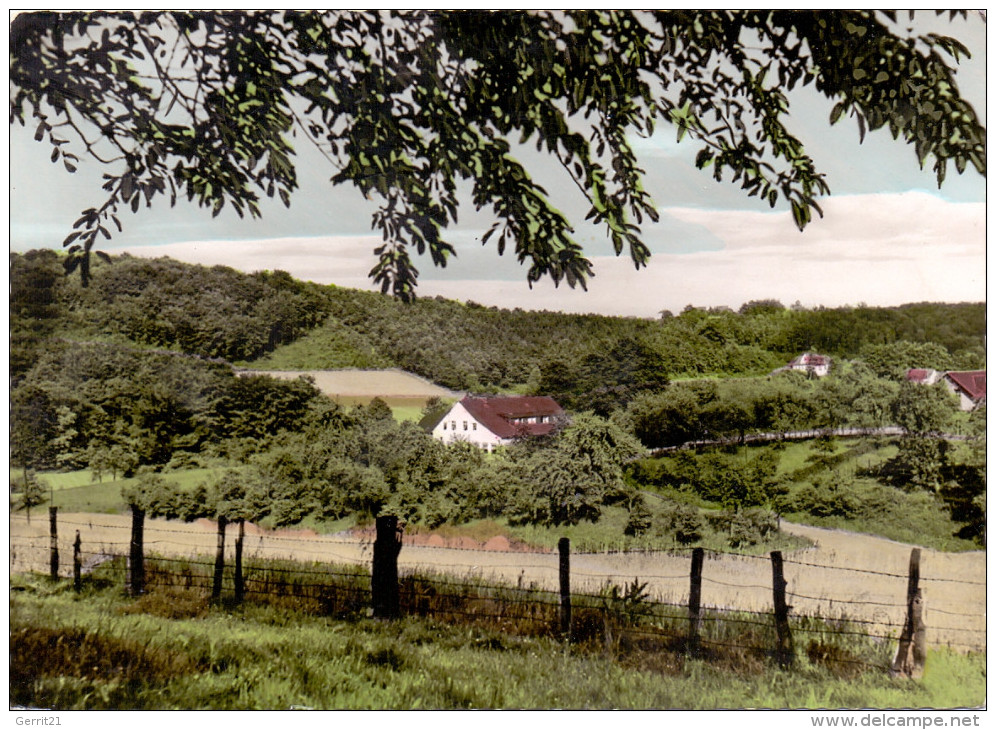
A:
[464,425]
[474,426]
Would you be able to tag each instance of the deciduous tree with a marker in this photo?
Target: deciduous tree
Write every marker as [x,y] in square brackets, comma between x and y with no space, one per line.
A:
[406,106]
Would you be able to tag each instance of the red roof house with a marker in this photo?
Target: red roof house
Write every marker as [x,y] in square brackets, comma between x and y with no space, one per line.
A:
[969,385]
[810,363]
[490,421]
[922,376]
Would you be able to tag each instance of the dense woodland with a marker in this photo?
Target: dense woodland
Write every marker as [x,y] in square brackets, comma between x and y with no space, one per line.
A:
[132,375]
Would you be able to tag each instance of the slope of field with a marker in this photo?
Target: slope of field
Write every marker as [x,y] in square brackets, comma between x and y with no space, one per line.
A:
[358,387]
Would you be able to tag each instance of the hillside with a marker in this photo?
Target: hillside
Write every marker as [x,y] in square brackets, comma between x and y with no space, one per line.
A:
[133,377]
[271,321]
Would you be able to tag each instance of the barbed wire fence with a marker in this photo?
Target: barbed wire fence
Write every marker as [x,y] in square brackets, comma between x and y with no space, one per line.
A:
[343,577]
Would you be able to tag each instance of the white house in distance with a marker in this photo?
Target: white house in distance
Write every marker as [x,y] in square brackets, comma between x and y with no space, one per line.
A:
[809,363]
[923,376]
[490,421]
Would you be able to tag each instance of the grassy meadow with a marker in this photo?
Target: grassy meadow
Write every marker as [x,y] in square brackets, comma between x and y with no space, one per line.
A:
[406,394]
[101,650]
[80,491]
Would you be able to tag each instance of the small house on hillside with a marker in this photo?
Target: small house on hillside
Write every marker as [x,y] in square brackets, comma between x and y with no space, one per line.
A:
[969,386]
[488,422]
[810,363]
[923,376]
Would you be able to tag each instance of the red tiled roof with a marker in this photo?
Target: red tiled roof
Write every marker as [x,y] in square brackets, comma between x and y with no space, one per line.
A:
[918,375]
[810,358]
[971,382]
[494,414]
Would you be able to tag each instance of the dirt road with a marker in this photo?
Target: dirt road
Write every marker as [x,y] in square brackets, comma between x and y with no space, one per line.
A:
[843,574]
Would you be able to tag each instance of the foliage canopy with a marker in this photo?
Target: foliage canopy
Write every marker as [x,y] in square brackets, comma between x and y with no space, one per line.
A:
[407,106]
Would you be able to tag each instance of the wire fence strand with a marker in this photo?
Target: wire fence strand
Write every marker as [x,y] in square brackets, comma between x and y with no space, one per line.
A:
[320,576]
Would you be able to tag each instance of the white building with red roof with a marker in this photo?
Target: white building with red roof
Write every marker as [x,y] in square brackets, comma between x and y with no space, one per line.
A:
[923,376]
[490,421]
[969,386]
[811,363]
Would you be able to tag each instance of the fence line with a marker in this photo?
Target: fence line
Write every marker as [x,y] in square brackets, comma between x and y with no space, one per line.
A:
[565,613]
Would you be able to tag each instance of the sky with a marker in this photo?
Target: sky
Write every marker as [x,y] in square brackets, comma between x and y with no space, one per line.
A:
[888,235]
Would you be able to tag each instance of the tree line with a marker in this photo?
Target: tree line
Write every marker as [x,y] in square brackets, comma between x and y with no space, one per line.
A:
[121,379]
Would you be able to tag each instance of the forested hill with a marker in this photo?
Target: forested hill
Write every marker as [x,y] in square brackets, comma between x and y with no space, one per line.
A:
[273,320]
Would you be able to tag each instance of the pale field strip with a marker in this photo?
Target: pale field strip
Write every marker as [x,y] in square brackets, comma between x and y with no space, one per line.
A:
[826,579]
[393,383]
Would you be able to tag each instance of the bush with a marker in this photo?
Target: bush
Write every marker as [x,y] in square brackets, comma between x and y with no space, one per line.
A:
[749,527]
[640,518]
[686,523]
[828,498]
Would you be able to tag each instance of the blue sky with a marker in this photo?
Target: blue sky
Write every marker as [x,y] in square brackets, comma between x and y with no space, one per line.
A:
[888,237]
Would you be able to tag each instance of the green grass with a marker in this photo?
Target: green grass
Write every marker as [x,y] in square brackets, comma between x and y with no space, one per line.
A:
[77,491]
[101,650]
[104,498]
[59,480]
[407,413]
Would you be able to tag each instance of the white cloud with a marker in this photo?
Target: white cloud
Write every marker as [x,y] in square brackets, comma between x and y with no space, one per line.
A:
[878,249]
[342,260]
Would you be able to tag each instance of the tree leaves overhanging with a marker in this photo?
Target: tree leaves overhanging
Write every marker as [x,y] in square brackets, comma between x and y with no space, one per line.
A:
[407,105]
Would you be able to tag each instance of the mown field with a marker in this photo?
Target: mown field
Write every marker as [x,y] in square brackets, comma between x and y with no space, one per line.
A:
[101,650]
[406,394]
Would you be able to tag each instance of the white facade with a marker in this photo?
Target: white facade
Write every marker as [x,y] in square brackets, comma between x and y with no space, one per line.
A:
[964,402]
[818,365]
[460,425]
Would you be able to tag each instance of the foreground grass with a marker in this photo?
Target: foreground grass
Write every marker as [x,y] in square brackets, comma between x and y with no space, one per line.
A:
[100,650]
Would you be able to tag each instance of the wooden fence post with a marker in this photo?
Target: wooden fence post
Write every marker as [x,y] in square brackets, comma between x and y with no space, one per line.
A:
[219,559]
[53,531]
[564,546]
[240,586]
[136,556]
[384,579]
[695,602]
[783,649]
[912,652]
[77,564]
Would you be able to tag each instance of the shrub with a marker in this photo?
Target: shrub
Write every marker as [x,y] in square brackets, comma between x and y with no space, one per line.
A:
[749,527]
[640,518]
[828,498]
[685,522]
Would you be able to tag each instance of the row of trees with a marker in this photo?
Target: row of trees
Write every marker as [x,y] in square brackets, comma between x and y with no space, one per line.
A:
[212,312]
[114,409]
[732,409]
[363,463]
[590,361]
